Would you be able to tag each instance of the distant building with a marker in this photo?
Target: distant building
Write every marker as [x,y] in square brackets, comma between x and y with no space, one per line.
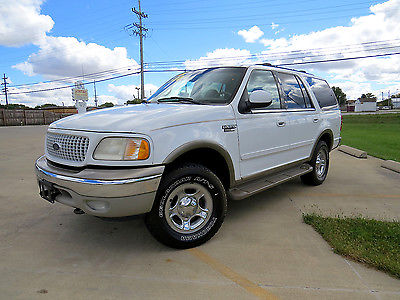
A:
[365,104]
[350,105]
[396,103]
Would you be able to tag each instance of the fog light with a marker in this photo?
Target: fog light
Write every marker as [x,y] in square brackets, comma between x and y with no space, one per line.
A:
[98,205]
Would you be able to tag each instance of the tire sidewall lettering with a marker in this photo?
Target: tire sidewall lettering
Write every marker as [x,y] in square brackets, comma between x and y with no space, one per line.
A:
[185,179]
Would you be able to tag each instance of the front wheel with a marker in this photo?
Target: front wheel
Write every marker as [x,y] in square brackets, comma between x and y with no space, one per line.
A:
[320,164]
[189,208]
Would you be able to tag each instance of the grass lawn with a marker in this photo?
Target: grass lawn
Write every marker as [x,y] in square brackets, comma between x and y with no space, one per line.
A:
[378,134]
[376,243]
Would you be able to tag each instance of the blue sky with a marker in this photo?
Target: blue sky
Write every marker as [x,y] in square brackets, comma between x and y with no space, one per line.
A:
[47,40]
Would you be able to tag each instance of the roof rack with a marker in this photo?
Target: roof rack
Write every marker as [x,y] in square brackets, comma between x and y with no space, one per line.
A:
[275,66]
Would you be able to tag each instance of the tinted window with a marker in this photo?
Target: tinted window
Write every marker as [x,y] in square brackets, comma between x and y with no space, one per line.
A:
[322,92]
[293,96]
[305,94]
[264,80]
[209,86]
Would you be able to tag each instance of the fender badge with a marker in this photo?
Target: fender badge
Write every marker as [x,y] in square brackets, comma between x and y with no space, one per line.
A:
[229,128]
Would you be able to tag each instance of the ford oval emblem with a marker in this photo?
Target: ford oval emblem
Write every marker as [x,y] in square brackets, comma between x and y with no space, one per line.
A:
[56,146]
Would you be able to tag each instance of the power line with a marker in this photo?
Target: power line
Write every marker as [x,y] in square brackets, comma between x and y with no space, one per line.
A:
[339,59]
[297,12]
[71,85]
[90,75]
[106,21]
[366,46]
[176,70]
[236,25]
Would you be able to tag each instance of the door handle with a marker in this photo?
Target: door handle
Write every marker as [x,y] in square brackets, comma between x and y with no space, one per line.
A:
[281,124]
[315,120]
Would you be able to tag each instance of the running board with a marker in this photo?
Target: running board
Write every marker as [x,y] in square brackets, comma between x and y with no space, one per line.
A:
[255,186]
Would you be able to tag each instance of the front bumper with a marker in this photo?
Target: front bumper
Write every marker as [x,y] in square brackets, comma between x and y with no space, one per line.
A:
[103,192]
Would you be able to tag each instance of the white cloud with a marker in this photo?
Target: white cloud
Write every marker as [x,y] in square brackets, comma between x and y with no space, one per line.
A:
[251,35]
[274,26]
[380,25]
[220,57]
[66,56]
[128,92]
[21,22]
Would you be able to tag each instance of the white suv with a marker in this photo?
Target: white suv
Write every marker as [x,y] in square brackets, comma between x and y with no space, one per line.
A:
[204,137]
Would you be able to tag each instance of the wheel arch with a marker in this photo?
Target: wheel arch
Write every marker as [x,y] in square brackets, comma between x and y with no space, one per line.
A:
[211,155]
[327,137]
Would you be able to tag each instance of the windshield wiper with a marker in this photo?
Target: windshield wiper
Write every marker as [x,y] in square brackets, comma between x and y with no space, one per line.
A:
[179,99]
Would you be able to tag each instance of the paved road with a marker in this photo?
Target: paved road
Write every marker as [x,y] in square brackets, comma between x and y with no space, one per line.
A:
[263,249]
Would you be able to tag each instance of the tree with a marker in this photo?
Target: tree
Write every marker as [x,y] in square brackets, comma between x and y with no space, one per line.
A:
[46,105]
[107,104]
[339,95]
[134,101]
[368,96]
[395,96]
[14,106]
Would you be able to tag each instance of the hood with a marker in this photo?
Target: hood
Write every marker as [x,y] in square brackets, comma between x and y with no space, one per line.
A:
[143,118]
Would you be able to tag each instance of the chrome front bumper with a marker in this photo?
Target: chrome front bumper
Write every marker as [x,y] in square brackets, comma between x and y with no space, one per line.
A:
[103,192]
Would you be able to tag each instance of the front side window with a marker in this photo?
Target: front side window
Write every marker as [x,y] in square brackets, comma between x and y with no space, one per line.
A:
[293,96]
[264,80]
[206,86]
[324,94]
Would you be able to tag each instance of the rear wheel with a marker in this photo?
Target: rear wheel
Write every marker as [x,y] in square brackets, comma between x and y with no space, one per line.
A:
[189,208]
[320,164]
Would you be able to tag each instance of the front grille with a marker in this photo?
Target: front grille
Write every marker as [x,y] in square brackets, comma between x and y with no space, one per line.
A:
[67,147]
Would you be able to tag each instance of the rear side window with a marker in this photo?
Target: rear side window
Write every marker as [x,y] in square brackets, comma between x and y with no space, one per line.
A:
[322,92]
[293,96]
[305,94]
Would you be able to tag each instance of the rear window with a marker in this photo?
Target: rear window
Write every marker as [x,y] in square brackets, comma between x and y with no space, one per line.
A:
[322,92]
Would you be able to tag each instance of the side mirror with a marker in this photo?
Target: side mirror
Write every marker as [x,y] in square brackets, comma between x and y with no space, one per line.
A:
[259,99]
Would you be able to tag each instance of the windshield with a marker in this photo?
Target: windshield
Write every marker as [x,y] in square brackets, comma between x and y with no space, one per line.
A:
[206,86]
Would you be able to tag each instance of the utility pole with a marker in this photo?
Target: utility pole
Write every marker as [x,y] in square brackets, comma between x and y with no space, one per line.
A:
[95,93]
[5,90]
[139,30]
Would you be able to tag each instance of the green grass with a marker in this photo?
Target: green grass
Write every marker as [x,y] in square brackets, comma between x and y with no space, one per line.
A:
[376,243]
[378,135]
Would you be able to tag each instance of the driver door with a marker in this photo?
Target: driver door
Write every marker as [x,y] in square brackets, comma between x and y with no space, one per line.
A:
[263,132]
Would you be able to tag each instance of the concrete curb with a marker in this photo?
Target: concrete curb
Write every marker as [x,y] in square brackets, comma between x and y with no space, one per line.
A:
[353,151]
[391,165]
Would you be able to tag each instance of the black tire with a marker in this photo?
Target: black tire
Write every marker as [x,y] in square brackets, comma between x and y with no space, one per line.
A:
[317,177]
[166,231]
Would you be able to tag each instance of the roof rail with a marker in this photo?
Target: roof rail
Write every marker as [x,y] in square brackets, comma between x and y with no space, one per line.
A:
[278,67]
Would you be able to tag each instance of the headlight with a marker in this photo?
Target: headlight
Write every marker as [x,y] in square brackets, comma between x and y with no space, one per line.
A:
[122,149]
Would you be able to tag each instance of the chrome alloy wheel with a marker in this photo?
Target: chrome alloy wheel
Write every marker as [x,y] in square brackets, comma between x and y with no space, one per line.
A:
[188,208]
[321,163]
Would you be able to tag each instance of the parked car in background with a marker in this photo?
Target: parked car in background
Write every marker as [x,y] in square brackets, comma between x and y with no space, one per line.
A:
[205,137]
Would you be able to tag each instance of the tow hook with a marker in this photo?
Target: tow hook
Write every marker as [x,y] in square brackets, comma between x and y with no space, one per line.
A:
[78,211]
